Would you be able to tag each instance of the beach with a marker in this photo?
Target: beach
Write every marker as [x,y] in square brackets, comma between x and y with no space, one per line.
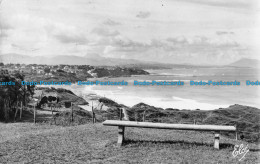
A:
[180,96]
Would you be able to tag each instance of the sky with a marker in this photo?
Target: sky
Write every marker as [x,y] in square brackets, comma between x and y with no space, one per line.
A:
[169,31]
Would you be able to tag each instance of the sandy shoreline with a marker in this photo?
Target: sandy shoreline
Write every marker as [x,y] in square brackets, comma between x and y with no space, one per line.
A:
[91,95]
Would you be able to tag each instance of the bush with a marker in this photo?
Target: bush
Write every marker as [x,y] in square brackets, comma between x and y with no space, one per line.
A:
[65,118]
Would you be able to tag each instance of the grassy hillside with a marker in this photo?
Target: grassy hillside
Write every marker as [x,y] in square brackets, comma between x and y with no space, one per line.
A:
[41,143]
[66,118]
[247,119]
[95,143]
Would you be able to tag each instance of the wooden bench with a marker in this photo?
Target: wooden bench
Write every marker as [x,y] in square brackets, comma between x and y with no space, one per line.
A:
[122,124]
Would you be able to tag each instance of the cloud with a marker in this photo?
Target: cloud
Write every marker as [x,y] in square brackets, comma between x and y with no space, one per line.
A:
[30,33]
[105,32]
[201,44]
[224,3]
[197,49]
[110,22]
[70,38]
[65,33]
[143,14]
[3,34]
[179,43]
[95,28]
[5,27]
[5,24]
[224,33]
[178,40]
[127,45]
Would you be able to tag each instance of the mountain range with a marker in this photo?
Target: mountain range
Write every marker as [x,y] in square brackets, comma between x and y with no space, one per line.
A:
[245,62]
[96,60]
[63,59]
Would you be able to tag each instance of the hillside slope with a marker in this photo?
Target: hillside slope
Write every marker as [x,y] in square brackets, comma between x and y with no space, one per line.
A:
[247,119]
[63,94]
[29,143]
[245,62]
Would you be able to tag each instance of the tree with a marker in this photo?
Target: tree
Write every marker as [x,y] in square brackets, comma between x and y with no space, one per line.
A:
[44,100]
[13,95]
[49,98]
[47,70]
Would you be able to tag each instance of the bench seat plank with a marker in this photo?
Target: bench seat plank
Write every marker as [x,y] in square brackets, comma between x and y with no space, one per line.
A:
[169,126]
[122,124]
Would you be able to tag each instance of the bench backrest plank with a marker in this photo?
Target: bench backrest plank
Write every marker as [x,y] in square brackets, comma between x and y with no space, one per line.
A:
[169,126]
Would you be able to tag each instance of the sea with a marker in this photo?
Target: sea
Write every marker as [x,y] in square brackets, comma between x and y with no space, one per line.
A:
[185,96]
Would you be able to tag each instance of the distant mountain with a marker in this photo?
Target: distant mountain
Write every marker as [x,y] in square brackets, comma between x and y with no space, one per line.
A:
[245,62]
[92,59]
[63,59]
[22,59]
[97,60]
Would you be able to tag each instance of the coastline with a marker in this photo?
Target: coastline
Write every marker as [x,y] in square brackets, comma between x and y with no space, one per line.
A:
[181,97]
[129,100]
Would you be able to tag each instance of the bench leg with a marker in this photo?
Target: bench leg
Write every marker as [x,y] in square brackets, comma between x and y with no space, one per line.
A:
[121,135]
[216,141]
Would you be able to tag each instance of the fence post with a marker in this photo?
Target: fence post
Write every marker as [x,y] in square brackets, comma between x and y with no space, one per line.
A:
[121,135]
[216,140]
[126,117]
[51,110]
[236,132]
[71,111]
[93,115]
[21,110]
[144,116]
[34,113]
[54,120]
[120,114]
[16,110]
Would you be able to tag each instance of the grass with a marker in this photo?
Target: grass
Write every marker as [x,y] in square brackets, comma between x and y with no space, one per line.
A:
[247,119]
[43,143]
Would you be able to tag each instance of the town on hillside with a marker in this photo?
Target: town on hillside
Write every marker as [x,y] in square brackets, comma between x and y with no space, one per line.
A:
[71,73]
